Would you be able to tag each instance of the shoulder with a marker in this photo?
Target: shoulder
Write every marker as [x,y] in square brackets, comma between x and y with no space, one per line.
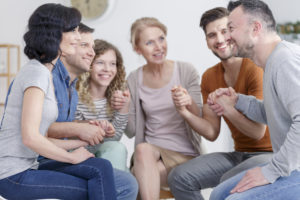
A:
[185,66]
[251,69]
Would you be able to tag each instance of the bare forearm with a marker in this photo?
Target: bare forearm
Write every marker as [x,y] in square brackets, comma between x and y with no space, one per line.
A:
[194,108]
[64,130]
[246,126]
[46,148]
[202,126]
[68,144]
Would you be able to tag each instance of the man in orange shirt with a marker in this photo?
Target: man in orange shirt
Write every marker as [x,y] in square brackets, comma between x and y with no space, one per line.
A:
[205,171]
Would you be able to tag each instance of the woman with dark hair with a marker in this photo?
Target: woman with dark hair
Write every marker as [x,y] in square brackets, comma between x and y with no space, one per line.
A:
[31,108]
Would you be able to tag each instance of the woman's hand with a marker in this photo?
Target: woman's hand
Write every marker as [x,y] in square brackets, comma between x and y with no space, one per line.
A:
[181,98]
[120,101]
[80,155]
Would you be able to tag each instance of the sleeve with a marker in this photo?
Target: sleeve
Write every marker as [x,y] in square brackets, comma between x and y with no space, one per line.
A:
[251,107]
[193,86]
[131,128]
[36,76]
[287,86]
[119,122]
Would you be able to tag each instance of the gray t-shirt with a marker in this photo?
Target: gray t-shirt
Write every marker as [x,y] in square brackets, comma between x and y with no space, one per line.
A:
[280,109]
[15,157]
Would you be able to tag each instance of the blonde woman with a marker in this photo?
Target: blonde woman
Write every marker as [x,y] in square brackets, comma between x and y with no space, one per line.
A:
[98,91]
[163,139]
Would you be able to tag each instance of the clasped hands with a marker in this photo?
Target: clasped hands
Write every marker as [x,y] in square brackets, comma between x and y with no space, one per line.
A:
[222,100]
[181,98]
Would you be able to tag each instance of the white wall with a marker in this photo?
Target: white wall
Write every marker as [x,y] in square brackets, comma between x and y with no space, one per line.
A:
[185,39]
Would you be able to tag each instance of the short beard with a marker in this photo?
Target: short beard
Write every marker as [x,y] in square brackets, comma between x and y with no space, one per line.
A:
[222,58]
[246,52]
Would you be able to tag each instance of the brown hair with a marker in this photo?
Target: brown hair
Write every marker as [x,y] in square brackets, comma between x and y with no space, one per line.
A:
[140,24]
[83,84]
[212,15]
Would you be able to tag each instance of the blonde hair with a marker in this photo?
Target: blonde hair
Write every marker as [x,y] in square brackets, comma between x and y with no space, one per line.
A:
[118,83]
[140,24]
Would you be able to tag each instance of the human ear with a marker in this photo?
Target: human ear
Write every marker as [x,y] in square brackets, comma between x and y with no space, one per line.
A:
[257,27]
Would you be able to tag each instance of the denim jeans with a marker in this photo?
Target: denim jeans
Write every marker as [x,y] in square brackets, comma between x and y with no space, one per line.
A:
[284,188]
[91,179]
[125,183]
[206,171]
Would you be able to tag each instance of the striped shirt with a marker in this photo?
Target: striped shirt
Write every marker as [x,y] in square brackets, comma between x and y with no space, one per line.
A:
[118,120]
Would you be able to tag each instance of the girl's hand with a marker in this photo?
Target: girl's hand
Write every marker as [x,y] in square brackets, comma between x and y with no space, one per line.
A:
[80,155]
[108,128]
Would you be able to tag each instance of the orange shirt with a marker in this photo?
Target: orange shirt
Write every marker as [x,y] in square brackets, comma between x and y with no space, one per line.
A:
[249,82]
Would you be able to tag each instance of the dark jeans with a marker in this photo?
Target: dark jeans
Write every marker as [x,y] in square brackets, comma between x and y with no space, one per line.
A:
[91,179]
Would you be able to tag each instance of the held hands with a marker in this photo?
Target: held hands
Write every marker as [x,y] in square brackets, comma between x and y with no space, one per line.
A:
[91,133]
[120,101]
[106,126]
[253,178]
[222,100]
[181,98]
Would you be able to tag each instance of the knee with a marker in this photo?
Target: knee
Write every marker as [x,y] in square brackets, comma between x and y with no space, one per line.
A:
[177,176]
[119,148]
[143,152]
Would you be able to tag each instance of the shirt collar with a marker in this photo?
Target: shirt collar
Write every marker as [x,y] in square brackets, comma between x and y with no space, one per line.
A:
[64,72]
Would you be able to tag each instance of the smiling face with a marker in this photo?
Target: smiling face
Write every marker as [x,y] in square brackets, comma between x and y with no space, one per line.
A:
[104,69]
[217,38]
[70,41]
[152,45]
[240,30]
[81,60]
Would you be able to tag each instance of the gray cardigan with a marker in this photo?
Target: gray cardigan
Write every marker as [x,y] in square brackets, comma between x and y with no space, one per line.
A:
[189,79]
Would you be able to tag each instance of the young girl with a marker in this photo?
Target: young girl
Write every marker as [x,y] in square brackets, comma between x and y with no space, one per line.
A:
[101,98]
[32,107]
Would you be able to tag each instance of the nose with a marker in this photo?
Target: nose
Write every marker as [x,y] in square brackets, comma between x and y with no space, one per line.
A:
[228,36]
[220,38]
[158,45]
[91,52]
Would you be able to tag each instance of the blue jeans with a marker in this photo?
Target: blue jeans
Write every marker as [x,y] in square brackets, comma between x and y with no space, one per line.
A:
[287,188]
[91,179]
[125,183]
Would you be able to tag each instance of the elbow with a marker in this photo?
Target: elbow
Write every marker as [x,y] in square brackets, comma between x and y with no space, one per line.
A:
[259,136]
[211,138]
[28,141]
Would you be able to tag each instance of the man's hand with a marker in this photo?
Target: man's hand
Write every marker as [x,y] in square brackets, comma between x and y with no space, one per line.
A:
[91,133]
[222,99]
[251,179]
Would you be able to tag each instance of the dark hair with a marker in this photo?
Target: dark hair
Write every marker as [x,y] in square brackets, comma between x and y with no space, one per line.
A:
[255,8]
[45,28]
[212,15]
[82,28]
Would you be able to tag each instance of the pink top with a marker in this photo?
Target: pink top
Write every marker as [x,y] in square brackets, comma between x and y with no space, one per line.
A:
[164,126]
